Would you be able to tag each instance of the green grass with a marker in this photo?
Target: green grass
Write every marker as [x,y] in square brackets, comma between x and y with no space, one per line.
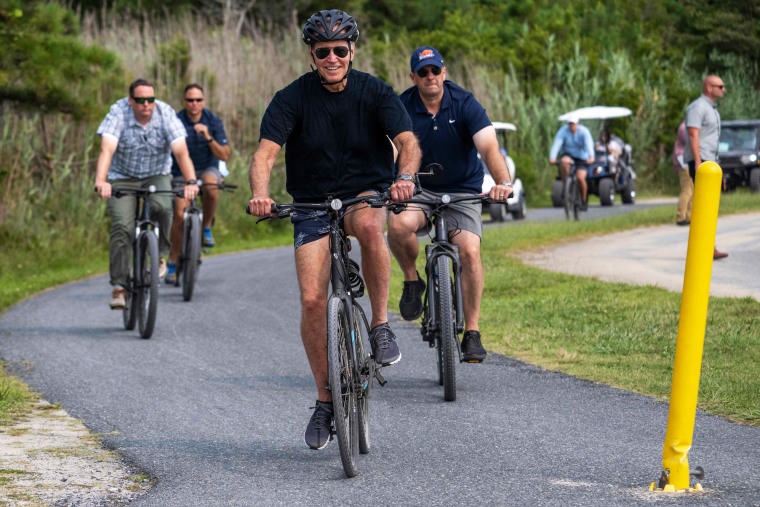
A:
[613,333]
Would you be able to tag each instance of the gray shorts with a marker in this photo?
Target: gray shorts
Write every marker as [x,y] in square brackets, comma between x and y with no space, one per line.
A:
[179,181]
[462,216]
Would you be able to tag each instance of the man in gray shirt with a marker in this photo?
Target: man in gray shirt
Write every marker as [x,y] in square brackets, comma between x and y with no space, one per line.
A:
[137,137]
[703,128]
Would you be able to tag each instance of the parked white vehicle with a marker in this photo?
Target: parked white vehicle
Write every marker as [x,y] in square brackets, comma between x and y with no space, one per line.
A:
[516,205]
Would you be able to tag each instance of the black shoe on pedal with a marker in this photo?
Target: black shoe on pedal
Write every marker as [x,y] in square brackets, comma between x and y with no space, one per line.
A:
[410,305]
[384,346]
[318,431]
[583,206]
[472,350]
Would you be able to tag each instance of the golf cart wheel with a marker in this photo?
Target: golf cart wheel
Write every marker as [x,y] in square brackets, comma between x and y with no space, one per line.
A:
[628,194]
[522,208]
[606,192]
[558,200]
[754,180]
[497,211]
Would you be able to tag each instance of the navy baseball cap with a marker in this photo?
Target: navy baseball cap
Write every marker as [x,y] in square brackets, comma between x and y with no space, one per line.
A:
[426,55]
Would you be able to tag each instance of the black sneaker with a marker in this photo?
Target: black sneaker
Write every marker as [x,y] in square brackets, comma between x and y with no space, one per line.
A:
[318,431]
[583,206]
[472,350]
[384,346]
[410,305]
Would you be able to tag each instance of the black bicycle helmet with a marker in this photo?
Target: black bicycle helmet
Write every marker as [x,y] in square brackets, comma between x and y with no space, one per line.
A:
[330,25]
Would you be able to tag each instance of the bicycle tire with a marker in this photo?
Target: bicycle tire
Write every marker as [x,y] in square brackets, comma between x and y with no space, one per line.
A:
[576,199]
[446,328]
[191,255]
[366,373]
[342,385]
[129,312]
[148,284]
[567,196]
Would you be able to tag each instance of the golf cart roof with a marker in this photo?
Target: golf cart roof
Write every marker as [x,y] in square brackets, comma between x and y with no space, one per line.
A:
[597,113]
[500,125]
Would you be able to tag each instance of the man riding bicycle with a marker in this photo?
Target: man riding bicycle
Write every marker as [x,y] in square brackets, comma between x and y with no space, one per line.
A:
[337,123]
[207,145]
[575,143]
[452,128]
[138,136]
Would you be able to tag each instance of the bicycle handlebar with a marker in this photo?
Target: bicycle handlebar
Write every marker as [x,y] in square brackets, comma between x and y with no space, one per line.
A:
[334,204]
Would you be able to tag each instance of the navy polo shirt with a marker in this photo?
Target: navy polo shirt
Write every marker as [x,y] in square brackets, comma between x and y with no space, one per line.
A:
[446,138]
[200,152]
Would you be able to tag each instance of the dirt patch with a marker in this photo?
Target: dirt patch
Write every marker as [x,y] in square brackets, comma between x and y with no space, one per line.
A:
[50,458]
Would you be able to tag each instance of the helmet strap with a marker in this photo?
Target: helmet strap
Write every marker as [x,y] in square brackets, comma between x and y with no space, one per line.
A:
[327,83]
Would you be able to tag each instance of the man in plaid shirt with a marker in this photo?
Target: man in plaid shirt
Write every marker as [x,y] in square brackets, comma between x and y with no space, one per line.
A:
[138,136]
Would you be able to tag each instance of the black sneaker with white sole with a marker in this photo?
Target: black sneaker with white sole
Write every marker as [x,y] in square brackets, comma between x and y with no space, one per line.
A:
[320,426]
[384,346]
[472,350]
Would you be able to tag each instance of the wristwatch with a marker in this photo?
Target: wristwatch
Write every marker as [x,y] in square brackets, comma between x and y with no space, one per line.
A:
[405,177]
[505,182]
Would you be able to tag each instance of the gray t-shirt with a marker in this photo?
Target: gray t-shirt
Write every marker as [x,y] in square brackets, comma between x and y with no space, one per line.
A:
[703,114]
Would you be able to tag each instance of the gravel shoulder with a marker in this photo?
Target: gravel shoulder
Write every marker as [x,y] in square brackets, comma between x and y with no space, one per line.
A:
[51,458]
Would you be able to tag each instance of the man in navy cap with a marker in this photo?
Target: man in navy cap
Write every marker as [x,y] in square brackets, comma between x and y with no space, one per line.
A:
[452,128]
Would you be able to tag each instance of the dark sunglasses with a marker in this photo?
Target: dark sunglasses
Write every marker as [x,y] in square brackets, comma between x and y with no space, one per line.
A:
[143,100]
[720,86]
[424,72]
[322,53]
[193,100]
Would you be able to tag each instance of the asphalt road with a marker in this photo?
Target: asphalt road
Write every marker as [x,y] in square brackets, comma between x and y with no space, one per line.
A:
[214,407]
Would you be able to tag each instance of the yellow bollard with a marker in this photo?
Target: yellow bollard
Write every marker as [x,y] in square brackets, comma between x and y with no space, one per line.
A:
[691,327]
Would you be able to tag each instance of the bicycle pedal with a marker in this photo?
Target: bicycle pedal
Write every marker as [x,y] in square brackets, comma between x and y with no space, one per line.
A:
[471,361]
[380,379]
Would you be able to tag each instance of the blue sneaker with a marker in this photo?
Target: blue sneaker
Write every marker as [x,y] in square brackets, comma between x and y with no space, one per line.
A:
[208,239]
[171,274]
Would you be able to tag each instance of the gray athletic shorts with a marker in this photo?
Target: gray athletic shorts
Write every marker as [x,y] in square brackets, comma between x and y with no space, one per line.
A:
[463,216]
[179,181]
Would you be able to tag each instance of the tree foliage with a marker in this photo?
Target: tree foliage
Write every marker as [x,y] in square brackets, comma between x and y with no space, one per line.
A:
[45,66]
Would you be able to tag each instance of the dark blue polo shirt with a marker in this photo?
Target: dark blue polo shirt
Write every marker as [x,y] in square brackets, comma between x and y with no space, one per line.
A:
[200,153]
[446,138]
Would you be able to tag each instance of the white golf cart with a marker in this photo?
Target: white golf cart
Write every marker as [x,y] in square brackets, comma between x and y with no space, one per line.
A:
[516,204]
[609,174]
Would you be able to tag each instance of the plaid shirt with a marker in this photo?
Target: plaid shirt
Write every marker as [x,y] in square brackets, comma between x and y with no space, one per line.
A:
[143,151]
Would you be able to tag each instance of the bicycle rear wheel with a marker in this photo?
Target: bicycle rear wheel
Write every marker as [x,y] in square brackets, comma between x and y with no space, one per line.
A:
[191,254]
[342,385]
[147,283]
[129,312]
[366,373]
[446,328]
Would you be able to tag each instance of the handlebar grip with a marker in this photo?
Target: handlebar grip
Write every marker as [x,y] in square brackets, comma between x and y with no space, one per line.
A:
[248,209]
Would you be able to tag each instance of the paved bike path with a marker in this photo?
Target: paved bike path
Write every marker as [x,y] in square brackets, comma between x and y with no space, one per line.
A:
[215,405]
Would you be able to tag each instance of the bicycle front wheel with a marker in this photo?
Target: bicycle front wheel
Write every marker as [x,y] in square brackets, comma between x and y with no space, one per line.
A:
[366,373]
[575,193]
[446,328]
[147,283]
[191,255]
[341,383]
[567,196]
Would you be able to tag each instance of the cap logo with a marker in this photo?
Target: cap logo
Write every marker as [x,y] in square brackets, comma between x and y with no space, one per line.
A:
[426,53]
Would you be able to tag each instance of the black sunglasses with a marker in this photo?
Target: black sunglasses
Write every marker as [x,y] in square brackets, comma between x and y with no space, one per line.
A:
[424,72]
[143,100]
[193,100]
[322,53]
[720,86]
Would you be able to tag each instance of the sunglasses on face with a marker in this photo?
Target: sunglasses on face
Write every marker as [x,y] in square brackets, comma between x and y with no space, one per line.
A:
[322,53]
[143,100]
[424,72]
[193,100]
[720,86]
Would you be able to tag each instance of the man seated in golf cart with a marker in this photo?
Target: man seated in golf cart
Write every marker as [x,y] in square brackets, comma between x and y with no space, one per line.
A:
[609,149]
